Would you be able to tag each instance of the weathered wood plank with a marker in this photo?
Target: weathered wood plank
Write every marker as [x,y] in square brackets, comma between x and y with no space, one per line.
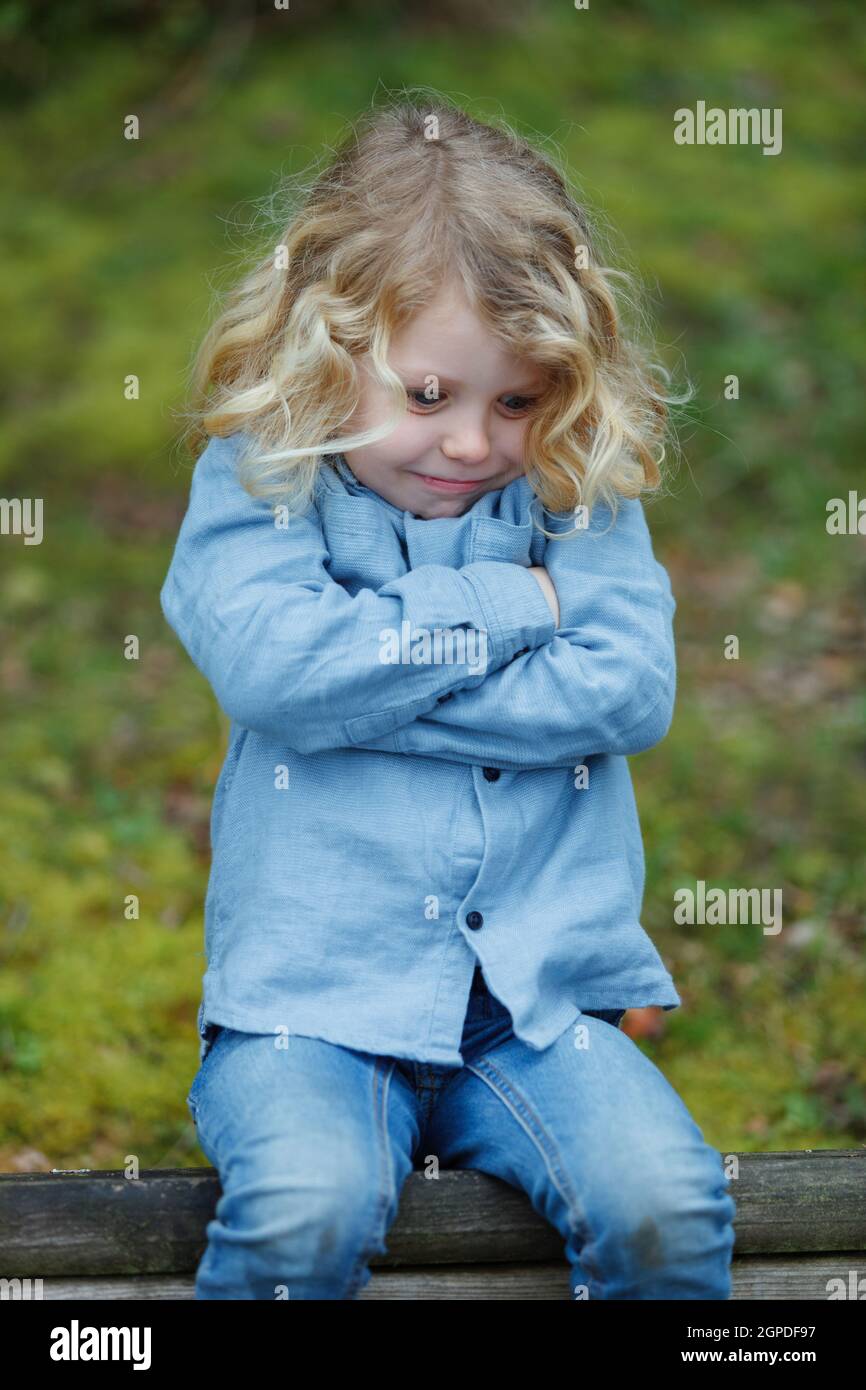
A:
[789,1277]
[757,1277]
[102,1224]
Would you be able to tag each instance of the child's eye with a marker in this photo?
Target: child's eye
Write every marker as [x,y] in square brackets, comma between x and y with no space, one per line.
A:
[523,403]
[425,402]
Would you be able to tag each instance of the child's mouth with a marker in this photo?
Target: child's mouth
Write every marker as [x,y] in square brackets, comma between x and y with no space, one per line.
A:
[449,484]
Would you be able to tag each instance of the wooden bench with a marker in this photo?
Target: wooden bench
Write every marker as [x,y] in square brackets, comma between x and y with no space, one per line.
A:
[801,1221]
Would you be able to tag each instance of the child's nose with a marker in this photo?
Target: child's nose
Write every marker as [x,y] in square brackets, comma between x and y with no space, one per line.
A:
[469,445]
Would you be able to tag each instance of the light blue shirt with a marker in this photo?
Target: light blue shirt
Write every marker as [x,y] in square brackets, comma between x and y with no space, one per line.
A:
[383,824]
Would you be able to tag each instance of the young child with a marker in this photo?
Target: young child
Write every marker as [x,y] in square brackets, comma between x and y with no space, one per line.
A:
[423,916]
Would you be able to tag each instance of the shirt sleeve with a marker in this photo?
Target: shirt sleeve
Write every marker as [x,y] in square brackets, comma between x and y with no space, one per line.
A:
[290,652]
[604,683]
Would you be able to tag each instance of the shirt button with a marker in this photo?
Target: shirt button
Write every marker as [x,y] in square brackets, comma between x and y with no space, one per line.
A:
[474,920]
[492,774]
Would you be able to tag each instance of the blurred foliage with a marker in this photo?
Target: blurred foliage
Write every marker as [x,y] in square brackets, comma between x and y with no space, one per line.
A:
[113,252]
[37,34]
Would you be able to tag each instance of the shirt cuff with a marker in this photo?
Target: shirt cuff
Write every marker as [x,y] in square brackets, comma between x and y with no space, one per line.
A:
[516,613]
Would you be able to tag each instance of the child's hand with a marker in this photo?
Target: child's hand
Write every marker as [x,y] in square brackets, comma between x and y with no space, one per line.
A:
[547,588]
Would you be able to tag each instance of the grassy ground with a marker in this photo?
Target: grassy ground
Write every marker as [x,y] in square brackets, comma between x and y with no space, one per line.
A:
[110,763]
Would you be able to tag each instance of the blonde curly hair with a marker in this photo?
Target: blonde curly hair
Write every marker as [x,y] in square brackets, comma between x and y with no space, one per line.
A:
[417,193]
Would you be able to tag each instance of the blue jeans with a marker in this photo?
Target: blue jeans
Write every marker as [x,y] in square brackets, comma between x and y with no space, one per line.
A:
[313,1143]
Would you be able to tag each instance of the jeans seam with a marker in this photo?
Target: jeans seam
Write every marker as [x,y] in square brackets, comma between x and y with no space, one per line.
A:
[500,1085]
[387,1190]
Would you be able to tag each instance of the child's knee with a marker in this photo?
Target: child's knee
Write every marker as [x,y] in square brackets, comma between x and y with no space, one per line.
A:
[669,1230]
[295,1236]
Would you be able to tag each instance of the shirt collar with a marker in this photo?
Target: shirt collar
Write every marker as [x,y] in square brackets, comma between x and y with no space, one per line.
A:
[510,504]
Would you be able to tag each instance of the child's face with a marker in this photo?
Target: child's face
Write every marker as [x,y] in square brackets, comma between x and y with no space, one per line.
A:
[472,434]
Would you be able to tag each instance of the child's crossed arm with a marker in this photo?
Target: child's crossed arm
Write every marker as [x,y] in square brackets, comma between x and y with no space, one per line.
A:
[603,683]
[289,652]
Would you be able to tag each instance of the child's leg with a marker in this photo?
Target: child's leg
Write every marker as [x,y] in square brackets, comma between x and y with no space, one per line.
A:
[608,1154]
[312,1143]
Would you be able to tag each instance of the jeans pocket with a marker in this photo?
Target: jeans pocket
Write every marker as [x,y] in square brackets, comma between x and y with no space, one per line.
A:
[208,1034]
[191,1102]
